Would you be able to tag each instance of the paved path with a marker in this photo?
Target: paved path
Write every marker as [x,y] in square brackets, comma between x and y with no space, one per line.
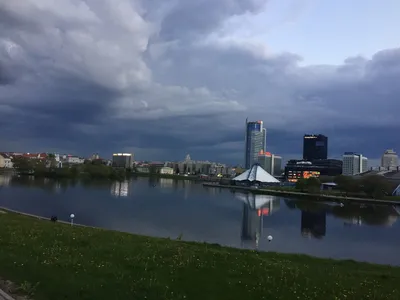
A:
[288,193]
[5,296]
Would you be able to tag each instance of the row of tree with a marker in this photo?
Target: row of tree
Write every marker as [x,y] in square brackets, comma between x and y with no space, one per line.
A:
[373,186]
[49,168]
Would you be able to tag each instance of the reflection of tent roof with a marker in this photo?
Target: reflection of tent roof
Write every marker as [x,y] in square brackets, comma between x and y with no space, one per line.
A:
[329,184]
[254,199]
[256,173]
[396,191]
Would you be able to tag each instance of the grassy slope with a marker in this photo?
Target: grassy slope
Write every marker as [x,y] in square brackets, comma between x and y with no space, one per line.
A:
[84,263]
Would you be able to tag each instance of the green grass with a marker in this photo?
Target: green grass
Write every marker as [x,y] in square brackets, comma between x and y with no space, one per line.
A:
[57,261]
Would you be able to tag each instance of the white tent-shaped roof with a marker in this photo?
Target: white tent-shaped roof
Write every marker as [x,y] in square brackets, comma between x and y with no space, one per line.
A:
[255,201]
[396,191]
[256,173]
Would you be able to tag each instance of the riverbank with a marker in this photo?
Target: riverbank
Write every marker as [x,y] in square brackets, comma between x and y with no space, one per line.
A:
[196,178]
[57,261]
[289,193]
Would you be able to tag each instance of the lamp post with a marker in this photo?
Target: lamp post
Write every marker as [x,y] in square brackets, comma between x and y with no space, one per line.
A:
[72,216]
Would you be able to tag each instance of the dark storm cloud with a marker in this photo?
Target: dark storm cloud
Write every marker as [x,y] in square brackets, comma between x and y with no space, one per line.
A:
[106,76]
[5,75]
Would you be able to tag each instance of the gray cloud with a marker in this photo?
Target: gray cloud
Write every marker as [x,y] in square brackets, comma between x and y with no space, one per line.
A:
[109,75]
[192,18]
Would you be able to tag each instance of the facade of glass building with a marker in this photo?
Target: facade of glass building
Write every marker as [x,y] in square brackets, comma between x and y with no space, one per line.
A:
[255,142]
[315,147]
[270,162]
[122,160]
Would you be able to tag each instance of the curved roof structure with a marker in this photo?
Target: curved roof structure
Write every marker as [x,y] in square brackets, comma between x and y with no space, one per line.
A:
[256,173]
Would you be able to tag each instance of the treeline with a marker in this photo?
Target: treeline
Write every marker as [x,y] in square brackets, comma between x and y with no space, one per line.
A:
[373,186]
[48,168]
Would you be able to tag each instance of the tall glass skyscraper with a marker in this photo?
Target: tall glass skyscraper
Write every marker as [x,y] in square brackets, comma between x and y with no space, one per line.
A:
[255,141]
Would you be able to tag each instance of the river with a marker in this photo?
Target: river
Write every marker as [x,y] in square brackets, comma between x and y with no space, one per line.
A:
[178,208]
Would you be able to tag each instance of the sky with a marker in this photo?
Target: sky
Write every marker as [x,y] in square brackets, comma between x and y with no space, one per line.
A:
[163,79]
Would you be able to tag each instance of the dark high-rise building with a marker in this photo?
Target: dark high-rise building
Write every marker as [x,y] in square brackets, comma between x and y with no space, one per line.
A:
[315,147]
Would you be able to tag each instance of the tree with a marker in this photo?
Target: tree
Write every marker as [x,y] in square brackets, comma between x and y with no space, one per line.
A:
[22,164]
[177,170]
[375,186]
[313,185]
[301,184]
[347,184]
[51,160]
[153,169]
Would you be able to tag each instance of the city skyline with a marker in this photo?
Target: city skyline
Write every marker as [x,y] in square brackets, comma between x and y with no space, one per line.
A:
[153,79]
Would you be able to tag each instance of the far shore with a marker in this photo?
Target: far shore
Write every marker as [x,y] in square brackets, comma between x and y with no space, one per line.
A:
[289,193]
[140,174]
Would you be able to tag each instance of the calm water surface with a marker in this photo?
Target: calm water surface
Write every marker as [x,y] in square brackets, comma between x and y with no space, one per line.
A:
[172,208]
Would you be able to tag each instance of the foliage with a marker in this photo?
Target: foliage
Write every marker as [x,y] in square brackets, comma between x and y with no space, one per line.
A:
[311,185]
[373,186]
[239,171]
[94,169]
[23,164]
[154,169]
[301,184]
[376,186]
[86,263]
[347,184]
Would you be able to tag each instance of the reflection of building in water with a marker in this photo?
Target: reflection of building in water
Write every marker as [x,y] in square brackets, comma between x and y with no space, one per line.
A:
[373,215]
[57,187]
[166,182]
[353,221]
[120,189]
[251,224]
[254,208]
[313,224]
[5,180]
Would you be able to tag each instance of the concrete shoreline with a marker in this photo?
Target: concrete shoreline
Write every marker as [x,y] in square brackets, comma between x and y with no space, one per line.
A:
[300,194]
[5,209]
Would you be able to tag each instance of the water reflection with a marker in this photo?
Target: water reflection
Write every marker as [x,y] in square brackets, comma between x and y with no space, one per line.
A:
[120,188]
[255,207]
[5,180]
[313,224]
[313,215]
[50,185]
[214,215]
[166,183]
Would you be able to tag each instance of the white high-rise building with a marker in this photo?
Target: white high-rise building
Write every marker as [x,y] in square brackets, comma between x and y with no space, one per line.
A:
[354,163]
[389,159]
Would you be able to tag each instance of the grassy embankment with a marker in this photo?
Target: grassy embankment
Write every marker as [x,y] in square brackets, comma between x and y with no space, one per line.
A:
[57,261]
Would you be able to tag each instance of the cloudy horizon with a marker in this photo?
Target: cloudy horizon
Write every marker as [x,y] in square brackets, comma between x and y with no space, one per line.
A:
[163,79]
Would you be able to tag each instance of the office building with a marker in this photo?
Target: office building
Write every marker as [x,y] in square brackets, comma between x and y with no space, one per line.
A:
[296,169]
[122,160]
[315,147]
[354,163]
[270,162]
[389,159]
[255,141]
